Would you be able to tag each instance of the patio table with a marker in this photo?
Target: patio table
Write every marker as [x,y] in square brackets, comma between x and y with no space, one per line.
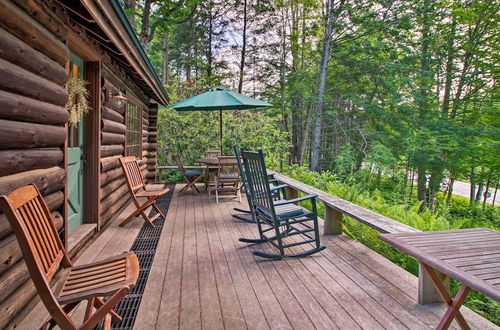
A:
[211,163]
[471,256]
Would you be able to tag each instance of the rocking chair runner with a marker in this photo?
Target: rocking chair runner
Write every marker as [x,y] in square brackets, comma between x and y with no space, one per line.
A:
[191,176]
[137,188]
[44,253]
[278,191]
[281,219]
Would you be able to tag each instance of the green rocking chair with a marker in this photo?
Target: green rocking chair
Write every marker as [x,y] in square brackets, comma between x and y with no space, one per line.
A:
[277,190]
[279,221]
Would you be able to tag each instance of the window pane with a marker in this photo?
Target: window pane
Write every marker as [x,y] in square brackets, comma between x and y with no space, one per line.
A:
[133,122]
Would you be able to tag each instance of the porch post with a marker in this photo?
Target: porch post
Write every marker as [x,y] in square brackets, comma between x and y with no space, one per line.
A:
[291,193]
[427,293]
[333,221]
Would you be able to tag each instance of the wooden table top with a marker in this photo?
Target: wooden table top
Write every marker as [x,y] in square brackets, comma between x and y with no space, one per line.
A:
[471,256]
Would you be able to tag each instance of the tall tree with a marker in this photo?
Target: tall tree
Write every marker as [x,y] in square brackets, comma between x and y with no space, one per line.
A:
[243,46]
[331,10]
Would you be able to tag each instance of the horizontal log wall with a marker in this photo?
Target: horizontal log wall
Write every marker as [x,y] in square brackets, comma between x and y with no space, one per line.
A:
[114,191]
[32,129]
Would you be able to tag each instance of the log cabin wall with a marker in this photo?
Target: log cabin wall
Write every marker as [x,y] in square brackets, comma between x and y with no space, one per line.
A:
[114,191]
[33,55]
[34,35]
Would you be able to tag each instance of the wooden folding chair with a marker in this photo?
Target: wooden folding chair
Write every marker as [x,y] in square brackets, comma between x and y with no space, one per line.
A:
[44,253]
[190,176]
[137,188]
[227,178]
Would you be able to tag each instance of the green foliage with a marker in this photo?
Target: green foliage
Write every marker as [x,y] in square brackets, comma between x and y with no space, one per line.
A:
[189,134]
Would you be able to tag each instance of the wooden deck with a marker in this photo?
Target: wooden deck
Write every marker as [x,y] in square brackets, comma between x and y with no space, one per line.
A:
[203,277]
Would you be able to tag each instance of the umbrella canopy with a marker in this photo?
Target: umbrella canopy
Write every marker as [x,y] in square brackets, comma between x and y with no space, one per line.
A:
[219,99]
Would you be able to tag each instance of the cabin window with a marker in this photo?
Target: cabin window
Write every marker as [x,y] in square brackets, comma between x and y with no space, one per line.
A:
[133,137]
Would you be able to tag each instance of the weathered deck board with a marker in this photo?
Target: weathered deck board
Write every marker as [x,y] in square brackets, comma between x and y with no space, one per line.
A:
[211,280]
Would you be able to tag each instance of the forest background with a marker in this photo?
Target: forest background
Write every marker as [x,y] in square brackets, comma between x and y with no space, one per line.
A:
[385,103]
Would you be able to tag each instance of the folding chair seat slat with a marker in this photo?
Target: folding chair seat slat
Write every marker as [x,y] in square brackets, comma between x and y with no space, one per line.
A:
[44,254]
[85,278]
[102,270]
[108,265]
[72,285]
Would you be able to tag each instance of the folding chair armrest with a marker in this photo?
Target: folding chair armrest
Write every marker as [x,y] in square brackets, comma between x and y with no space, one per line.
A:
[296,200]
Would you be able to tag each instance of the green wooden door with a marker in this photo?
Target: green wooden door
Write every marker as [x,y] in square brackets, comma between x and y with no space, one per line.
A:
[75,159]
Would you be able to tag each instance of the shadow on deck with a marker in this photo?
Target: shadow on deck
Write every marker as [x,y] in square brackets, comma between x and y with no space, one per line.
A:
[203,277]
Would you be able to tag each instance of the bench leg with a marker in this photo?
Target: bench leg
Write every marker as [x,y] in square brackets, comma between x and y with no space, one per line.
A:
[453,311]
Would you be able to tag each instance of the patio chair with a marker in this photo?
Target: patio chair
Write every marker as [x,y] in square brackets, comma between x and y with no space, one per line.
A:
[137,188]
[190,176]
[211,171]
[213,153]
[278,191]
[279,221]
[44,253]
[227,178]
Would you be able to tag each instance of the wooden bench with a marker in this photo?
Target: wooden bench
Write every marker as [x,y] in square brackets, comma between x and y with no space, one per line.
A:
[336,207]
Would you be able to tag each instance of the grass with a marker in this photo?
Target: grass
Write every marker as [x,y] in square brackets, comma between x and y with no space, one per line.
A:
[385,199]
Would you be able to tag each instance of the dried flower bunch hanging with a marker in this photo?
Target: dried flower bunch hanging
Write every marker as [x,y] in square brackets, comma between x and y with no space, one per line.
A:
[77,104]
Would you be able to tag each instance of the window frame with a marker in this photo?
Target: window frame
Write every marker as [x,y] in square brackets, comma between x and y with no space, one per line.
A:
[129,120]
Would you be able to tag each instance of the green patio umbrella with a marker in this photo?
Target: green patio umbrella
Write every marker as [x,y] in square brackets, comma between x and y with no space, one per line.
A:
[219,99]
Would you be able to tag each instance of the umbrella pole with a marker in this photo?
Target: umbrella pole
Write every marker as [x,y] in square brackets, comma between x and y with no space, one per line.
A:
[220,122]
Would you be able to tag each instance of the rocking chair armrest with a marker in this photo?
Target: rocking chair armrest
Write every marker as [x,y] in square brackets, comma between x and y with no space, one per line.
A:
[295,200]
[283,186]
[274,181]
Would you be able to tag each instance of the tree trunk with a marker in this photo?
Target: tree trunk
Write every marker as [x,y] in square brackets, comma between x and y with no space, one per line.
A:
[412,179]
[488,182]
[495,195]
[434,186]
[145,24]
[243,48]
[189,58]
[321,93]
[449,70]
[422,188]
[166,59]
[210,37]
[472,186]
[131,4]
[480,186]
[450,192]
